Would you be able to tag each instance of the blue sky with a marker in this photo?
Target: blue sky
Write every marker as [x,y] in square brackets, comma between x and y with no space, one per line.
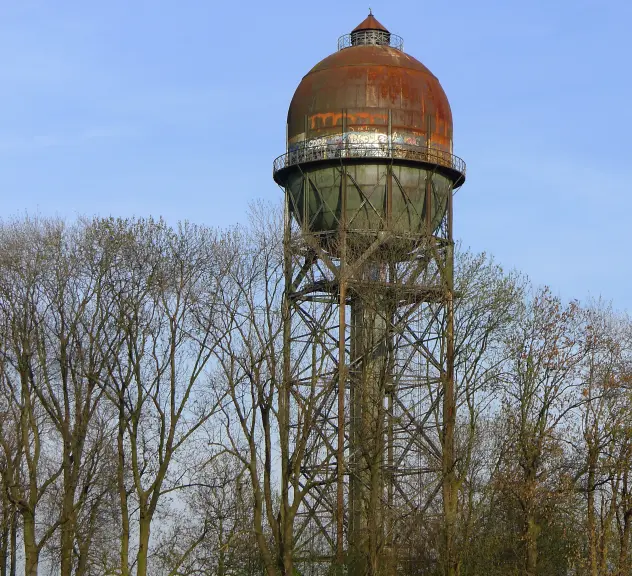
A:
[132,107]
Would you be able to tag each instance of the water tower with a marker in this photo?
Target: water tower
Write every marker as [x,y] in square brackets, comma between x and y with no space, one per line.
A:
[369,176]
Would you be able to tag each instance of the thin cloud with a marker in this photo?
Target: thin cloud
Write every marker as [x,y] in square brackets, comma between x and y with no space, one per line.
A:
[59,140]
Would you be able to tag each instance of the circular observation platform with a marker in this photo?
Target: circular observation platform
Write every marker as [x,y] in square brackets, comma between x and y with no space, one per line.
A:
[371,37]
[443,162]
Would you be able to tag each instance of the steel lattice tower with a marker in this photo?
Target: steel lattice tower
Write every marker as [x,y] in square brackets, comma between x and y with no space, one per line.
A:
[369,177]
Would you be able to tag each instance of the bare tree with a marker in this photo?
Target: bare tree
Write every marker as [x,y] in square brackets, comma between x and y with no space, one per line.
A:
[53,322]
[32,461]
[70,392]
[212,533]
[10,458]
[487,306]
[545,350]
[604,413]
[164,284]
[269,418]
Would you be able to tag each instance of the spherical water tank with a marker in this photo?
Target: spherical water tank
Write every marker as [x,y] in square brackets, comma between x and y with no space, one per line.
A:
[369,141]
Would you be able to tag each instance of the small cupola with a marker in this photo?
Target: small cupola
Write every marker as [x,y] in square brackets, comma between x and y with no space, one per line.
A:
[370,32]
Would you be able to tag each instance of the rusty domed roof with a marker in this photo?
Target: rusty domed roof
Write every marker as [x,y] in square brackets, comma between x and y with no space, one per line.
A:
[374,78]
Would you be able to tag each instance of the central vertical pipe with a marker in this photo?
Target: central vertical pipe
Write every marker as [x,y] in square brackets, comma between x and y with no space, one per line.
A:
[368,388]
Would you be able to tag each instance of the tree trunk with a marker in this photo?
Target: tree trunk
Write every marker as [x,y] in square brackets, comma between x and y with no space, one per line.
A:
[124,540]
[14,543]
[592,536]
[532,531]
[221,555]
[84,547]
[287,560]
[624,540]
[221,563]
[31,553]
[4,547]
[264,550]
[7,519]
[449,513]
[67,531]
[123,493]
[82,562]
[143,542]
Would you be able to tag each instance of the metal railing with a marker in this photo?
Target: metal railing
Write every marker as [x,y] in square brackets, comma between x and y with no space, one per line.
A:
[306,153]
[371,37]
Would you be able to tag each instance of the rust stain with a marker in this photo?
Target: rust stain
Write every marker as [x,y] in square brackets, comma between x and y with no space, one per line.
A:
[330,119]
